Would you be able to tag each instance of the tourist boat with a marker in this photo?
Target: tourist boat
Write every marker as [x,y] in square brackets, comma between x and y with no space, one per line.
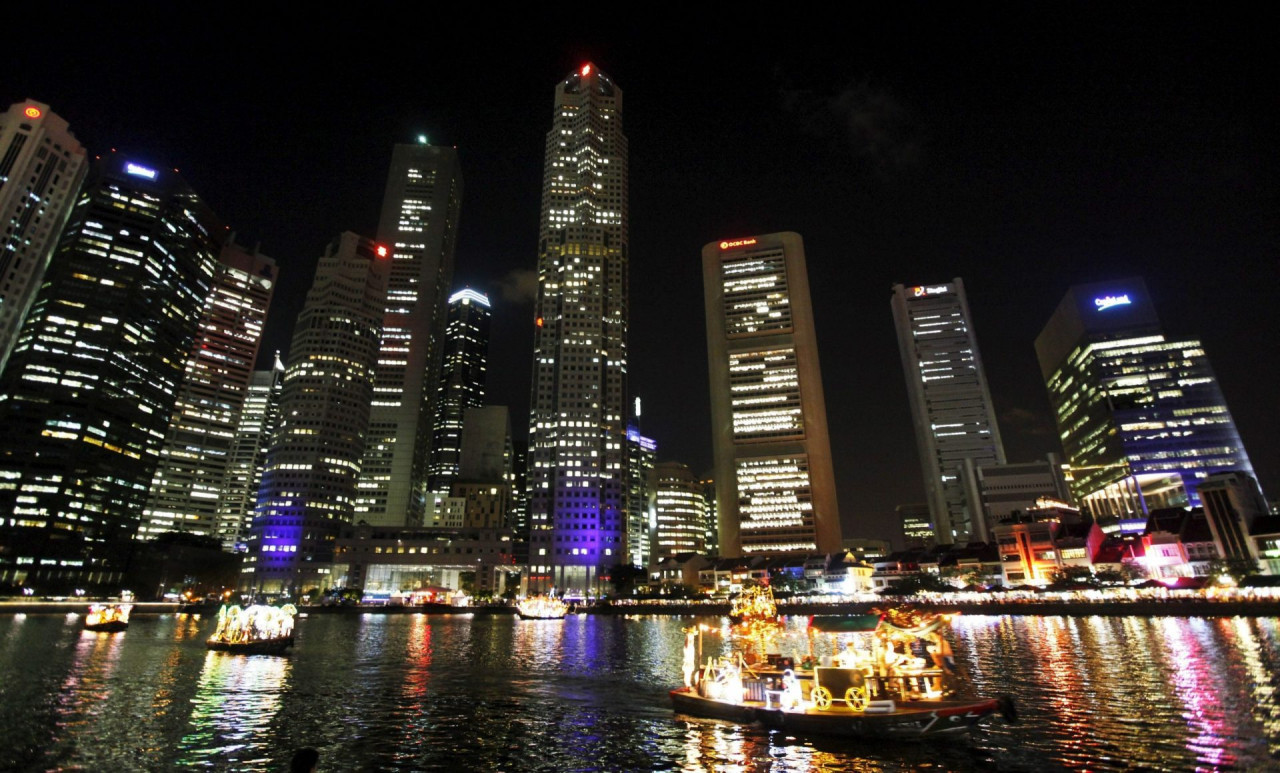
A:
[541,608]
[876,688]
[108,618]
[254,630]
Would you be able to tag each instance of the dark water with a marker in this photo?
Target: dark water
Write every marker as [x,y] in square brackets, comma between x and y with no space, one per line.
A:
[458,693]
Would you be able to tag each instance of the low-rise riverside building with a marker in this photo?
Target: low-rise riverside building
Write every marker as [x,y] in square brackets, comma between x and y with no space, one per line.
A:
[388,560]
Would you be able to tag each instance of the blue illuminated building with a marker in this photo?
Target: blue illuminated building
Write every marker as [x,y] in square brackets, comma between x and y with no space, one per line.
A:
[1140,415]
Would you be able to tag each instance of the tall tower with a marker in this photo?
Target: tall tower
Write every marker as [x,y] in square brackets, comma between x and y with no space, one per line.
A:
[1141,417]
[951,405]
[679,518]
[462,381]
[188,482]
[419,224]
[248,458]
[309,486]
[775,485]
[642,454]
[86,399]
[41,168]
[577,426]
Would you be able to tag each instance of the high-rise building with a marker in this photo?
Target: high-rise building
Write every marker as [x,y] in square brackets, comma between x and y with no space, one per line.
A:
[1232,503]
[679,512]
[642,453]
[248,458]
[461,383]
[419,224]
[188,483]
[951,407]
[577,425]
[89,390]
[309,486]
[917,526]
[41,168]
[1141,417]
[775,484]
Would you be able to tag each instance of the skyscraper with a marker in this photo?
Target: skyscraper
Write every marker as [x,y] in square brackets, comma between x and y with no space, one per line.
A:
[951,405]
[1141,417]
[775,485]
[188,483]
[41,168]
[419,224]
[642,453]
[309,485]
[248,458]
[461,383]
[679,517]
[577,426]
[90,386]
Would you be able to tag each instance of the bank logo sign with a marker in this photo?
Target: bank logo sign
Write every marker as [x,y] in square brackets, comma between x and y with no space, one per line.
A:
[1108,301]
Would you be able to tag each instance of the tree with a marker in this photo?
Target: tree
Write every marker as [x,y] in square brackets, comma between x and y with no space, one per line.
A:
[921,582]
[1235,568]
[623,578]
[1073,575]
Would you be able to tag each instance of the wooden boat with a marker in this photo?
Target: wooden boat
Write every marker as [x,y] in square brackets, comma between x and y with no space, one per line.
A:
[108,618]
[254,630]
[541,608]
[877,688]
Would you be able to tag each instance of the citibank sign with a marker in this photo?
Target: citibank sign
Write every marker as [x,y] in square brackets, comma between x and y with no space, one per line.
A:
[1107,301]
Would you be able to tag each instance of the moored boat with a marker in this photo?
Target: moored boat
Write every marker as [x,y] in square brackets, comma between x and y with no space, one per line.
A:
[108,618]
[254,630]
[893,678]
[541,608]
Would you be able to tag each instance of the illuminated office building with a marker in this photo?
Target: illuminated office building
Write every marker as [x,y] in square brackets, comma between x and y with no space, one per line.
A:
[775,485]
[188,483]
[309,486]
[1141,417]
[89,390]
[577,425]
[678,518]
[642,452]
[419,224]
[461,383]
[951,409]
[248,458]
[41,167]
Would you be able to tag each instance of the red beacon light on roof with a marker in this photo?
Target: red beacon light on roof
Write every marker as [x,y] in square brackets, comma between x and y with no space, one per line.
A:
[32,112]
[586,70]
[381,250]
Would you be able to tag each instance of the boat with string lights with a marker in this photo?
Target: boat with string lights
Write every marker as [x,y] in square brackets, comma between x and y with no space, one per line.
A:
[108,618]
[888,674]
[542,608]
[254,630]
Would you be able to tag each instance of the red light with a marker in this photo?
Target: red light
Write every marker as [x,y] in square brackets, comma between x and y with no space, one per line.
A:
[737,243]
[382,251]
[586,70]
[539,322]
[32,112]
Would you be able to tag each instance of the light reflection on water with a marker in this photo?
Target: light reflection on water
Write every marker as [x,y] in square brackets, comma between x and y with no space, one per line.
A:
[418,692]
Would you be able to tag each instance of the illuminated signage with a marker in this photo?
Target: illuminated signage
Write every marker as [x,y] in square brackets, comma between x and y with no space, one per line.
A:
[586,70]
[32,112]
[737,243]
[921,292]
[140,171]
[468,296]
[1107,301]
[381,250]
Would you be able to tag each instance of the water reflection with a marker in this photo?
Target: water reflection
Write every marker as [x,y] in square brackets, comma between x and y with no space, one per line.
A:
[236,699]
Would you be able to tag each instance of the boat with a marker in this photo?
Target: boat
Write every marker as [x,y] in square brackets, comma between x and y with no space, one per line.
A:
[541,608]
[108,618]
[253,630]
[878,686]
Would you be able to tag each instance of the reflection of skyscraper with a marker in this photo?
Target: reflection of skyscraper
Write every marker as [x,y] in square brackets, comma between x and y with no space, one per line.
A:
[774,480]
[951,405]
[1141,417]
[41,167]
[419,224]
[188,482]
[461,379]
[577,427]
[90,386]
[248,459]
[309,485]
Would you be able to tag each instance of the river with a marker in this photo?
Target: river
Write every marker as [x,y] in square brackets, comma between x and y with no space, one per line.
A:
[493,693]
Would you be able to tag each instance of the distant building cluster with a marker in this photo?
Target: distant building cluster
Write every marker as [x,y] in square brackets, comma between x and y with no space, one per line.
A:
[366,458]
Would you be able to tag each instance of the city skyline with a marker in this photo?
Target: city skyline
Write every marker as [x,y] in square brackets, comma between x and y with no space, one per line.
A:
[1119,144]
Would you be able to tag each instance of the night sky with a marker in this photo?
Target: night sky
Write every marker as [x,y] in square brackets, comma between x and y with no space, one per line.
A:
[1019,148]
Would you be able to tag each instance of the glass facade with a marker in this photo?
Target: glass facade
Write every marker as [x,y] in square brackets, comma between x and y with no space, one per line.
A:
[462,382]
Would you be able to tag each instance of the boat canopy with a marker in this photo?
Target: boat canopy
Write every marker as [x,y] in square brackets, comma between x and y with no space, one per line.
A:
[845,623]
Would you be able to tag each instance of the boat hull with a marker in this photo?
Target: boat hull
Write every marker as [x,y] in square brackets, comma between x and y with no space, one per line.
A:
[907,720]
[539,617]
[115,626]
[264,647]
